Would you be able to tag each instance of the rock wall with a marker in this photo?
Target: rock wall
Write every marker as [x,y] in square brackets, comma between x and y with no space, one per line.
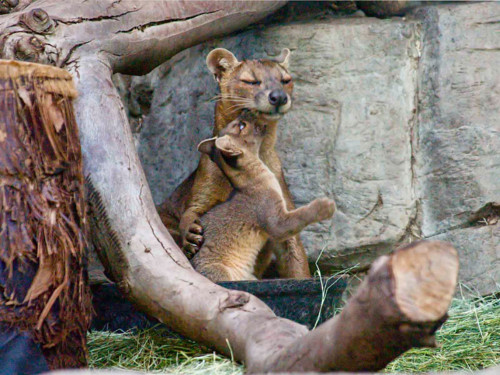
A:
[398,120]
[457,154]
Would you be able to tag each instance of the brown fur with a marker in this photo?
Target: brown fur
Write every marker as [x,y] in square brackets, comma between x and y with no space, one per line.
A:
[236,230]
[207,186]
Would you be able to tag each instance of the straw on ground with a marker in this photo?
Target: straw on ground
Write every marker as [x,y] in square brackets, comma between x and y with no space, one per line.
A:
[470,340]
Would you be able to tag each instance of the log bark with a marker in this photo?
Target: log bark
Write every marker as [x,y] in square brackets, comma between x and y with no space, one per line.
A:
[8,6]
[131,37]
[103,37]
[43,283]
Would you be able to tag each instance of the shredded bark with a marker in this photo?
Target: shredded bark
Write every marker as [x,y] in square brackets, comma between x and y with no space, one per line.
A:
[43,279]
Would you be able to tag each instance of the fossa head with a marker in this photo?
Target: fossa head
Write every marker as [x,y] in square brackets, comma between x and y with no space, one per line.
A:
[237,146]
[263,86]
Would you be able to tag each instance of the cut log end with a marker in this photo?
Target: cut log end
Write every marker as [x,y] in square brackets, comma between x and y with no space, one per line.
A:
[399,305]
[425,276]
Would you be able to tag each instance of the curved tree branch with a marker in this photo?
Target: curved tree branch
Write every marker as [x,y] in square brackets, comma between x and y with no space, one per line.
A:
[133,36]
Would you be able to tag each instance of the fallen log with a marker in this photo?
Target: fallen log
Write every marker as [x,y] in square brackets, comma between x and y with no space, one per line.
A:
[43,285]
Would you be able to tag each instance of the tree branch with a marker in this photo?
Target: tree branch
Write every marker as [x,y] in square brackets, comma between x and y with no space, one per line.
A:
[135,36]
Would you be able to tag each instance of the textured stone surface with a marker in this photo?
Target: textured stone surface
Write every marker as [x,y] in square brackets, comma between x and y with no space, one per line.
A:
[479,254]
[458,152]
[347,137]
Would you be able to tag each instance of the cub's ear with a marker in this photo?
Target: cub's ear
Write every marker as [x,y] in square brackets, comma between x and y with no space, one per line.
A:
[219,61]
[227,147]
[284,58]
[207,146]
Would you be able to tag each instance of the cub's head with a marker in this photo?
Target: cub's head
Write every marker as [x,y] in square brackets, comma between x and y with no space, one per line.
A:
[263,86]
[237,145]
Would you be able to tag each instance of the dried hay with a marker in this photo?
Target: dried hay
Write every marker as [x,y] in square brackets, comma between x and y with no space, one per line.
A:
[470,340]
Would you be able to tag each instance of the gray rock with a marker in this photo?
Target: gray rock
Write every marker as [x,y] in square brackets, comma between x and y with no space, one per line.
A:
[479,254]
[458,148]
[347,137]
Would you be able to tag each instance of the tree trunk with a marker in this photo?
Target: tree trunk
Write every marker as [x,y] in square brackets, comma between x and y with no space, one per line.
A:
[403,300]
[43,283]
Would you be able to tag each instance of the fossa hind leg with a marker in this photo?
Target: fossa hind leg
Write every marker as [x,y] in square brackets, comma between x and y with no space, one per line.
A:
[263,261]
[291,259]
[215,272]
[219,272]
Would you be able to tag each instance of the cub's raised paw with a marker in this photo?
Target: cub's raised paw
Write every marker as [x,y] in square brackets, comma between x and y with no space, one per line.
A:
[193,239]
[325,208]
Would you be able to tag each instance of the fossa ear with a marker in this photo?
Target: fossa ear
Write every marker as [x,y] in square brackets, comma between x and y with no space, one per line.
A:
[227,147]
[220,60]
[207,146]
[284,58]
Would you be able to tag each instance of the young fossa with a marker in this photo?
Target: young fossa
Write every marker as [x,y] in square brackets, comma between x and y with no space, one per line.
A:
[265,87]
[236,231]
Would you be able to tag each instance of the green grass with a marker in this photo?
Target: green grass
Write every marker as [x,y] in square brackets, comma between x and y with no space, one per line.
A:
[156,350]
[469,340]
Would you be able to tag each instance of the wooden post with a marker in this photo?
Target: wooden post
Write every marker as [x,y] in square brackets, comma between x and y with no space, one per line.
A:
[43,281]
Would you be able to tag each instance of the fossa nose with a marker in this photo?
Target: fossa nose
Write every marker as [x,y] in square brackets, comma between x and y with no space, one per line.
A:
[277,98]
